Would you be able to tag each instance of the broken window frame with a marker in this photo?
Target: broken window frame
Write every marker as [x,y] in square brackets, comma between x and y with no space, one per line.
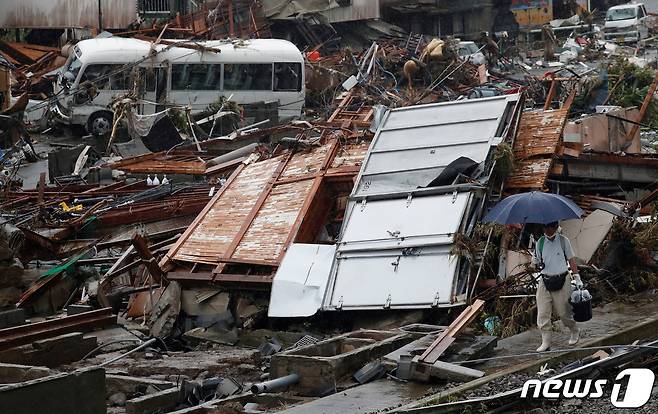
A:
[212,81]
[294,69]
[240,84]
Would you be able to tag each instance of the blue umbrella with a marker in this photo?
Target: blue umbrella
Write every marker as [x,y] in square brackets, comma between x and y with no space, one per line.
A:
[534,207]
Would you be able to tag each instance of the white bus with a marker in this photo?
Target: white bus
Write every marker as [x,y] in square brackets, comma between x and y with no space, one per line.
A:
[259,70]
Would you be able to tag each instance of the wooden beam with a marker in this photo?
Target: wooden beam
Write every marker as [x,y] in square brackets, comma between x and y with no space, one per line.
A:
[551,95]
[141,246]
[643,110]
[447,337]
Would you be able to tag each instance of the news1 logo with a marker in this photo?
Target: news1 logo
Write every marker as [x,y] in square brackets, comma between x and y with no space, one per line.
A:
[639,384]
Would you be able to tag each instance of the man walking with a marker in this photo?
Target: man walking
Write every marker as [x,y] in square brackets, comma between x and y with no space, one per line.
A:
[554,255]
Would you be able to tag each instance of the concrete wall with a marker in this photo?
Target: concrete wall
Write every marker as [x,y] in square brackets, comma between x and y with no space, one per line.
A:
[52,14]
[79,392]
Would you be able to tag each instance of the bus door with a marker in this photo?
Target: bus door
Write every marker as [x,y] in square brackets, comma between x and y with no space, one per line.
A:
[153,89]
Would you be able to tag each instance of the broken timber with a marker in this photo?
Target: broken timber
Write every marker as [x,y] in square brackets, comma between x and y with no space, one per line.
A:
[447,337]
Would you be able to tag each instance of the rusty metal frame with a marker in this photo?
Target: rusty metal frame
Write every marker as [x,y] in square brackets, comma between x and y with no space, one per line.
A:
[165,263]
[82,322]
[246,224]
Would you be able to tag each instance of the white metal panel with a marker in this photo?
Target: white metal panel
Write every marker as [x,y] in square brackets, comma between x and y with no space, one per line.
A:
[395,252]
[300,281]
[396,182]
[414,268]
[406,221]
[423,136]
[404,160]
[390,279]
[414,144]
[457,112]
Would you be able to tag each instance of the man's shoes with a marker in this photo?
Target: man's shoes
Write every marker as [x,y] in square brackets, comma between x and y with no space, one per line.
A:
[575,336]
[545,341]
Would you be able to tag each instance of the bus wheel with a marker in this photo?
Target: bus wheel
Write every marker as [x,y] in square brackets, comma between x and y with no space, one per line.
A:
[100,123]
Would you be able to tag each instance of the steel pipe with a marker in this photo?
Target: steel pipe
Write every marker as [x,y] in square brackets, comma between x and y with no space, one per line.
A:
[275,384]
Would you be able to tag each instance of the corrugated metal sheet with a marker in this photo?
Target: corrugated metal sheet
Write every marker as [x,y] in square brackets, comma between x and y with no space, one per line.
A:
[306,162]
[259,212]
[395,245]
[209,240]
[350,155]
[540,133]
[51,14]
[330,9]
[266,237]
[359,10]
[414,144]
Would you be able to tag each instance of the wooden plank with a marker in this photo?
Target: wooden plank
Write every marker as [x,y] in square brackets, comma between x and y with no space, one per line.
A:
[165,262]
[551,95]
[254,211]
[447,337]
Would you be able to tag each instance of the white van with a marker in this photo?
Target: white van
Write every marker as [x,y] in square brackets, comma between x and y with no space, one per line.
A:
[259,70]
[626,23]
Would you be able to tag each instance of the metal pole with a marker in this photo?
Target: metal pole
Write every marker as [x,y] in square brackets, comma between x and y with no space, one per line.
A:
[275,384]
[142,346]
[100,17]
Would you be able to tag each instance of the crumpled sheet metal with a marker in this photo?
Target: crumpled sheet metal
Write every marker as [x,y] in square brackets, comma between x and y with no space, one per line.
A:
[537,141]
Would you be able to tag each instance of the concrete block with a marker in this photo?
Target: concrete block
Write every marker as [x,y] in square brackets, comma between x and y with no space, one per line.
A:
[80,392]
[453,372]
[196,302]
[131,385]
[13,373]
[419,370]
[51,352]
[320,365]
[9,296]
[13,317]
[423,372]
[162,401]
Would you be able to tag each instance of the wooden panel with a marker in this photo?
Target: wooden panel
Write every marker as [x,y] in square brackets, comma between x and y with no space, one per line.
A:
[529,174]
[351,155]
[306,162]
[540,133]
[267,234]
[223,221]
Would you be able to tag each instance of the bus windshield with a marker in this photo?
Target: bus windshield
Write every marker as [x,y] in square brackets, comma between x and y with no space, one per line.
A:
[72,67]
[614,15]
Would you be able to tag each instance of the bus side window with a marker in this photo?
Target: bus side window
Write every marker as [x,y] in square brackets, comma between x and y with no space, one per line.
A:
[195,77]
[120,78]
[287,76]
[247,77]
[98,74]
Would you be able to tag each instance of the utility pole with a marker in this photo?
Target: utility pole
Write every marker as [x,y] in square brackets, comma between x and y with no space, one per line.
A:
[100,17]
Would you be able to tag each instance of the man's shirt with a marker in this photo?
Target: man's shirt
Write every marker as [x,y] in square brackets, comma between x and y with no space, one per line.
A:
[553,256]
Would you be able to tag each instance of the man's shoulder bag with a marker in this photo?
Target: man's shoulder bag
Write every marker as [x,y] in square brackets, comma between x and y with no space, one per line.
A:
[553,283]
